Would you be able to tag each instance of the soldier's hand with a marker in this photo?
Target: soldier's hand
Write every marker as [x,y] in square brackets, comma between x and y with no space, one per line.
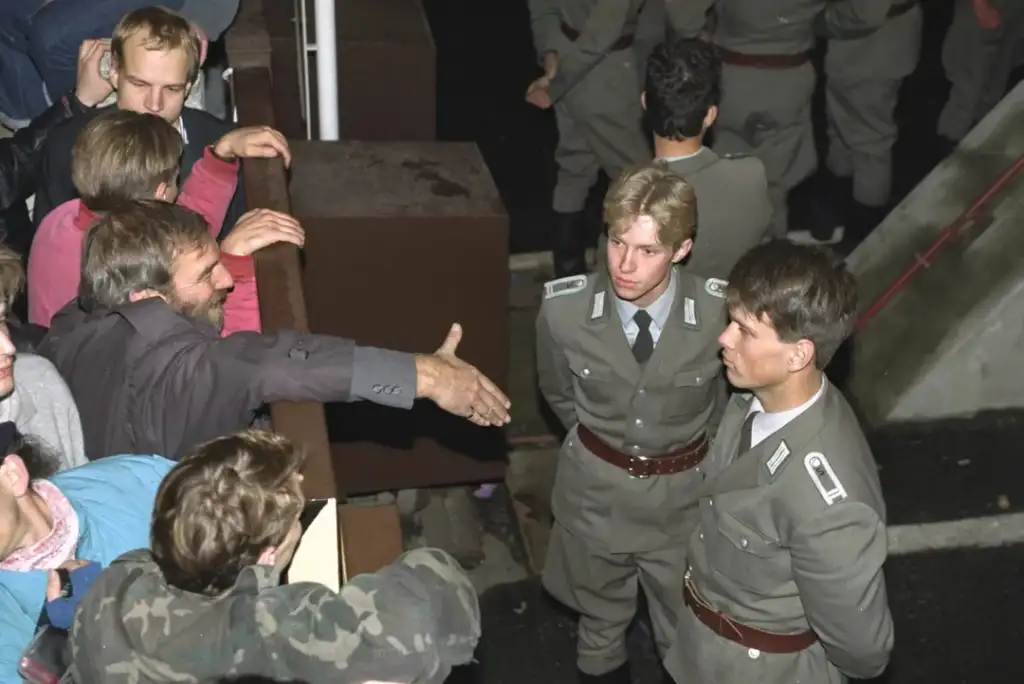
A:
[988,16]
[261,228]
[458,387]
[538,94]
[550,65]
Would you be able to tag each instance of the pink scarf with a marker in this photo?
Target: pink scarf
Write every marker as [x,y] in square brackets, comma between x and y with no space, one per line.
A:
[56,547]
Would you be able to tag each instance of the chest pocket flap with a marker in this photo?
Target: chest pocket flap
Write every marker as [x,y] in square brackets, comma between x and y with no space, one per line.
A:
[587,369]
[745,539]
[697,376]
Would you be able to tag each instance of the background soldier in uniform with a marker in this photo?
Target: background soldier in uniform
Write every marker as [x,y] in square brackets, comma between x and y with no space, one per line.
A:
[681,99]
[207,603]
[863,77]
[628,362]
[981,49]
[768,79]
[590,76]
[785,581]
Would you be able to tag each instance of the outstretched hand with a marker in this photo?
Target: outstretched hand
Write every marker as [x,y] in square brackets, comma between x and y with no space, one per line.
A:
[458,387]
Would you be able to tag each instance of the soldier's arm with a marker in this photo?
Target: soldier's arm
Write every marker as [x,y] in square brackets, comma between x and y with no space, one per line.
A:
[554,377]
[851,18]
[837,559]
[545,22]
[419,616]
[604,26]
[688,17]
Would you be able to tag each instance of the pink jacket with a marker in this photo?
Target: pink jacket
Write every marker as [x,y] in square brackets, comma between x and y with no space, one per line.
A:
[55,260]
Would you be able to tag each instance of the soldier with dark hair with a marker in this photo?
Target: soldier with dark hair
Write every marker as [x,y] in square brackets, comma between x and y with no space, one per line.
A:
[785,580]
[681,98]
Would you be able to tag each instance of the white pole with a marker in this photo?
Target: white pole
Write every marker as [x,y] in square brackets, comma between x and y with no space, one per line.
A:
[326,70]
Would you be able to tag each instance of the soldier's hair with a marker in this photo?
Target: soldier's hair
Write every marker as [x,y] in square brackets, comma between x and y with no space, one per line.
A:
[803,292]
[224,503]
[124,155]
[133,247]
[682,83]
[652,190]
[164,30]
[12,277]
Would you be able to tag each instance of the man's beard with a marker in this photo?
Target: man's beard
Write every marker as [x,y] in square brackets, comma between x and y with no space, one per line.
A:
[211,310]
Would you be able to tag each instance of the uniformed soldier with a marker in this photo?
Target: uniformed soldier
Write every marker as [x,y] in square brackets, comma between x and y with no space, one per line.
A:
[590,76]
[681,98]
[768,78]
[785,576]
[863,78]
[980,50]
[627,359]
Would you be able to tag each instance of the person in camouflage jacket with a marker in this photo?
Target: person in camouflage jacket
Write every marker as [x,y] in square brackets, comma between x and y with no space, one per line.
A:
[207,603]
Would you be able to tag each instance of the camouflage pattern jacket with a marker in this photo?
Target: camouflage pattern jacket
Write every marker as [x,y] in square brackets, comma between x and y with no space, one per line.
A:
[410,622]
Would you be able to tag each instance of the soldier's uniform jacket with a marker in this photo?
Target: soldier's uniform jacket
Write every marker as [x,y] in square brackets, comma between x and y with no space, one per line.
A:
[777,26]
[409,622]
[791,537]
[588,375]
[733,208]
[600,23]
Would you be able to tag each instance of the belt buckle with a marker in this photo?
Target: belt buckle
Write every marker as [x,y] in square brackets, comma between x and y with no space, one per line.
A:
[633,460]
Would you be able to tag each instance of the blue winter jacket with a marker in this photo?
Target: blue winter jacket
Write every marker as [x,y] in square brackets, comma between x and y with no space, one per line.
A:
[113,498]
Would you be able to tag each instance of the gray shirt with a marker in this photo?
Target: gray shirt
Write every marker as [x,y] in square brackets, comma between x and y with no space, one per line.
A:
[42,407]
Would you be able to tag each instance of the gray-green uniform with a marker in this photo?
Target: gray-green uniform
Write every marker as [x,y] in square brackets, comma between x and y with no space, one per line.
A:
[768,79]
[596,92]
[978,63]
[613,530]
[863,85]
[726,228]
[791,541]
[734,209]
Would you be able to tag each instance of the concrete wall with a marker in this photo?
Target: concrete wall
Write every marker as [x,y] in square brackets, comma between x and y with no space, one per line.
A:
[949,342]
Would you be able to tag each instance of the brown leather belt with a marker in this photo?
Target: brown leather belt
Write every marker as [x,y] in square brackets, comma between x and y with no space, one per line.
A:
[899,8]
[768,642]
[621,44]
[645,466]
[788,61]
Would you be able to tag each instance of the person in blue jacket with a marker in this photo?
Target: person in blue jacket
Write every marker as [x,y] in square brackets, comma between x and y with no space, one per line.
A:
[92,513]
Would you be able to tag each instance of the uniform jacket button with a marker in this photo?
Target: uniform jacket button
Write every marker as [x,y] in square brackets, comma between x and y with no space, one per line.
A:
[744,543]
[754,653]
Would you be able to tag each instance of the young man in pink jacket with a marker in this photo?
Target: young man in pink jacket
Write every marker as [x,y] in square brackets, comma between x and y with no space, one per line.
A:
[123,155]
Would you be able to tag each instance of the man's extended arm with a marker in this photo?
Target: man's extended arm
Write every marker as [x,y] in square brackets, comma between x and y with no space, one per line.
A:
[413,620]
[293,366]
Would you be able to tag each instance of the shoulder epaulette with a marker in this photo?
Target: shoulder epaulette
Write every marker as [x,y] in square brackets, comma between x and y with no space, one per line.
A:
[564,286]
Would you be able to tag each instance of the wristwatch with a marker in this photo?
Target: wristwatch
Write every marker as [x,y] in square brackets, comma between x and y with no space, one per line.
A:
[64,575]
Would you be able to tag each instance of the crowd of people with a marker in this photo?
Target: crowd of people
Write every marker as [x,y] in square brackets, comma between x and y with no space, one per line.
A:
[708,462]
[132,459]
[146,515]
[596,64]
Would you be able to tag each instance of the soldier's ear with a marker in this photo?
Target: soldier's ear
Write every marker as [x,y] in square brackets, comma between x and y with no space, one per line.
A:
[683,250]
[710,117]
[801,355]
[643,100]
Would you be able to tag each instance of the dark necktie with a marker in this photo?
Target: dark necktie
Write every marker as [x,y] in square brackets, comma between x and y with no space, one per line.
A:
[643,346]
[747,434]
